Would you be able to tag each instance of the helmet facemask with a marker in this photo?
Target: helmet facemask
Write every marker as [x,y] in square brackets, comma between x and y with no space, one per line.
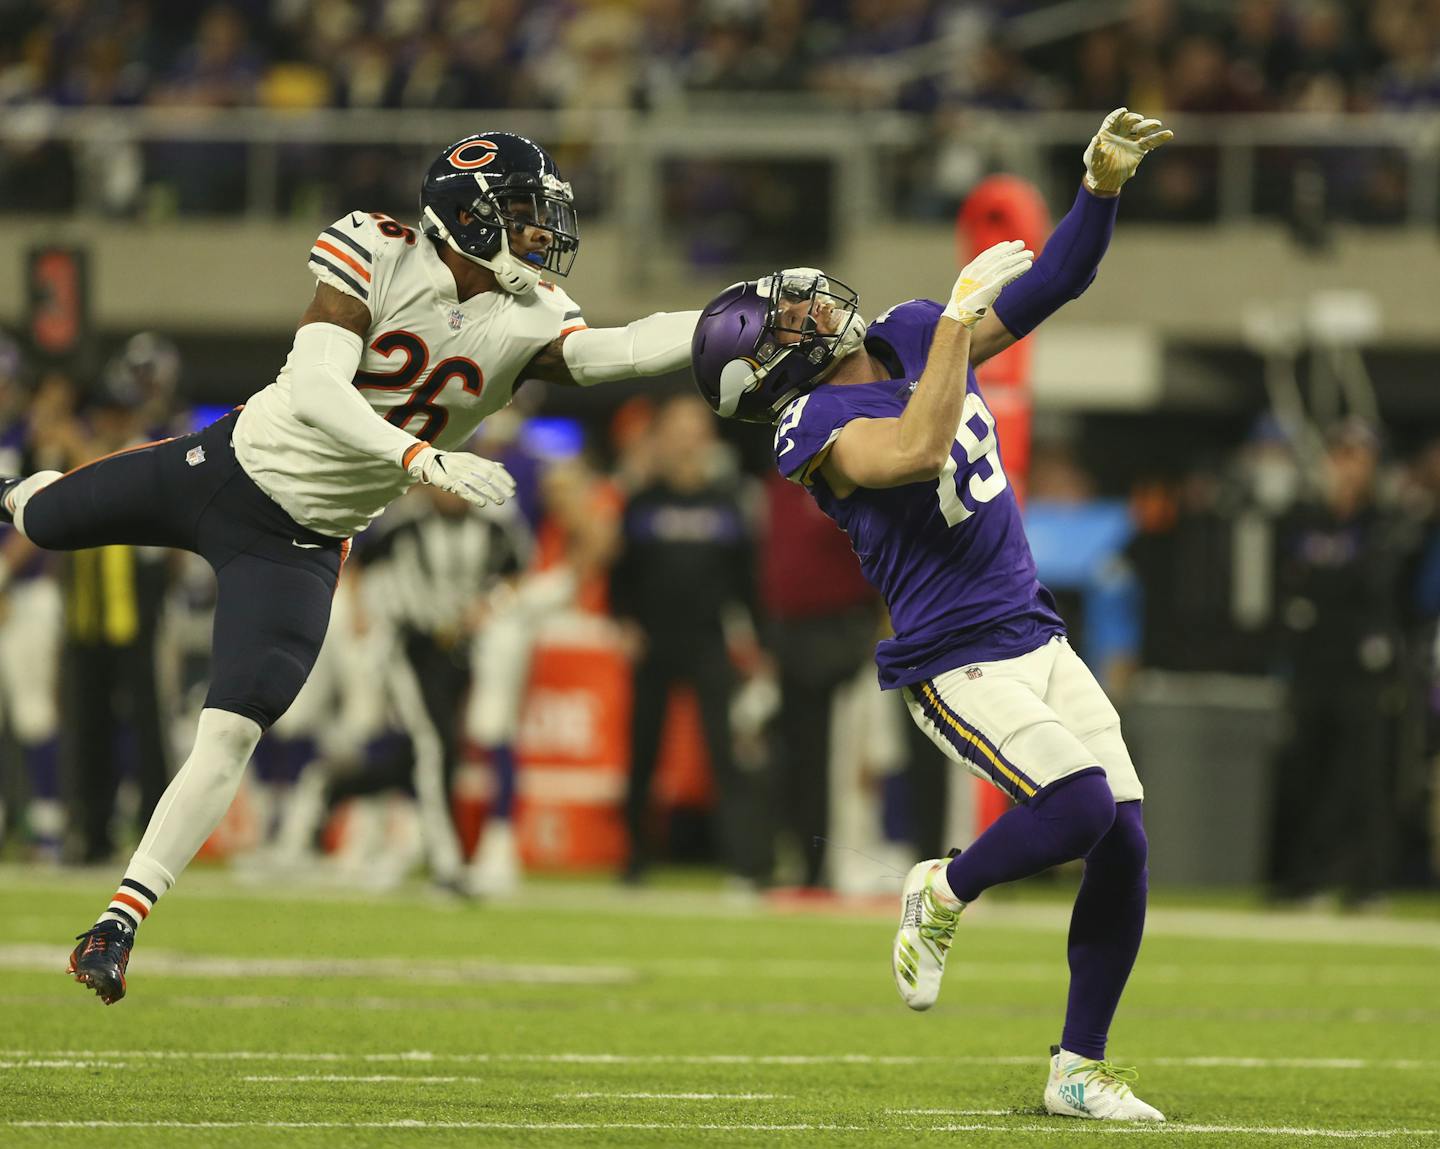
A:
[811,316]
[813,323]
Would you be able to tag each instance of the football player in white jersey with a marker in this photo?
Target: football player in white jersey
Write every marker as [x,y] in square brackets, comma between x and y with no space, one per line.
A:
[412,338]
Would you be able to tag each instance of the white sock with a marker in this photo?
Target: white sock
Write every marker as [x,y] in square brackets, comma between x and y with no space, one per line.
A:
[940,887]
[21,493]
[187,813]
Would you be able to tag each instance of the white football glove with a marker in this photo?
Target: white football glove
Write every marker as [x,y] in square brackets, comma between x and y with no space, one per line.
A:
[1124,139]
[478,481]
[984,277]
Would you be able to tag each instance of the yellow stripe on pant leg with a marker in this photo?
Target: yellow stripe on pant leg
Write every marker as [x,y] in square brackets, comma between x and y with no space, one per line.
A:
[1016,779]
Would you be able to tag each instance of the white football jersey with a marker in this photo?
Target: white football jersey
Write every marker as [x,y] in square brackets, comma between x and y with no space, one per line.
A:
[432,365]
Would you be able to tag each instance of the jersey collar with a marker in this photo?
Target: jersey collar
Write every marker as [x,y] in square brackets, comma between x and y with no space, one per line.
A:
[440,277]
[444,283]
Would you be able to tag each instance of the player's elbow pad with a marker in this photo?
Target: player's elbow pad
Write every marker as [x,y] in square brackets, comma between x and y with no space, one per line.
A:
[655,345]
[322,358]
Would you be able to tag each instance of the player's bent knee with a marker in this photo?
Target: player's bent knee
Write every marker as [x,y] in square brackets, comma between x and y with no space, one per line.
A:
[1125,849]
[263,690]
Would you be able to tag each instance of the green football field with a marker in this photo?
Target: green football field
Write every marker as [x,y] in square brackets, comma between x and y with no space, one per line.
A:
[581,1015]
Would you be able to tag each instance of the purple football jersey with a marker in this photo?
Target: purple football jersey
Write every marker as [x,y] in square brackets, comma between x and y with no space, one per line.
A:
[949,556]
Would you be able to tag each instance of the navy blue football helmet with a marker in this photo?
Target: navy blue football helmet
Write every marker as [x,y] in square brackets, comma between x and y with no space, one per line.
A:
[761,343]
[502,181]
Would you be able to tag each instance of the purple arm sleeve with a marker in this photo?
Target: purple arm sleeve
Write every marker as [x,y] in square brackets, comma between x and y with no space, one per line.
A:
[1064,269]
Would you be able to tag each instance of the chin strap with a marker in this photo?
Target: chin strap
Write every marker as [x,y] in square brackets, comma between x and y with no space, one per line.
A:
[851,339]
[511,273]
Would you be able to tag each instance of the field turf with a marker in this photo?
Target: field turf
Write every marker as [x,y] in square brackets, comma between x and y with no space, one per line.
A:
[581,1015]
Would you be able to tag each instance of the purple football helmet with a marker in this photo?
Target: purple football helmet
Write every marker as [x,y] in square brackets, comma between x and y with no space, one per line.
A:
[761,343]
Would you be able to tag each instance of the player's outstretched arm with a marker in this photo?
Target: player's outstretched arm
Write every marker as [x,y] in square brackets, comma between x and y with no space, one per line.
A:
[655,345]
[915,447]
[323,361]
[1071,257]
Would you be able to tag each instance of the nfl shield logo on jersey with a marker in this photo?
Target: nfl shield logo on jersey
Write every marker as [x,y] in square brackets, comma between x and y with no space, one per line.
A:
[455,318]
[973,672]
[195,456]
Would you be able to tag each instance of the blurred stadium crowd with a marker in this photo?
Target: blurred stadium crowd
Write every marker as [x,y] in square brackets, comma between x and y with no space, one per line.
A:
[942,65]
[927,55]
[694,594]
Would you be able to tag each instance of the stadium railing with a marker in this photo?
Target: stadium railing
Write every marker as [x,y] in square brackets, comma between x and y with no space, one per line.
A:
[629,150]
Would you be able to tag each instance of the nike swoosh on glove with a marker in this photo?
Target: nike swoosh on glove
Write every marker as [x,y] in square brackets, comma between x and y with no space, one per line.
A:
[478,481]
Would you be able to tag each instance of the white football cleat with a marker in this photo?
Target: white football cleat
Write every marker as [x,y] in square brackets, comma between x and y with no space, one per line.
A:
[927,927]
[495,870]
[1082,1087]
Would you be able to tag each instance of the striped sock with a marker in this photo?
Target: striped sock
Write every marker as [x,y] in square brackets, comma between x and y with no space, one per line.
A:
[131,904]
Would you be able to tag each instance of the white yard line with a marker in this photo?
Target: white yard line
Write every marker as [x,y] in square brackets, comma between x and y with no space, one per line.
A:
[1061,1127]
[61,1063]
[674,1096]
[48,959]
[1288,928]
[578,1126]
[953,1112]
[39,958]
[371,1078]
[1313,972]
[423,1057]
[1066,1126]
[64,997]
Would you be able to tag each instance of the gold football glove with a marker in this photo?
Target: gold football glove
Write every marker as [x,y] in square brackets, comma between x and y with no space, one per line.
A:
[1124,139]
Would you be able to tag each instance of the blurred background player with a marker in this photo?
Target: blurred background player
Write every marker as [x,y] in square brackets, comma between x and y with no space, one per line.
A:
[686,562]
[30,622]
[575,545]
[426,578]
[821,619]
[1344,560]
[114,597]
[887,428]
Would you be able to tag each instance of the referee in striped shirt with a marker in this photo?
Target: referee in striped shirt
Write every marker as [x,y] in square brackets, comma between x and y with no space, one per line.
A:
[426,577]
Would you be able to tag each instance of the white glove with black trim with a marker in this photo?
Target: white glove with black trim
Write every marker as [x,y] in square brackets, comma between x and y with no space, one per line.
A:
[984,277]
[478,481]
[1124,139]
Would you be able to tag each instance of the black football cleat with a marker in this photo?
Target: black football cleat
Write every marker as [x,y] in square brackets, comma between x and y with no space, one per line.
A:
[100,959]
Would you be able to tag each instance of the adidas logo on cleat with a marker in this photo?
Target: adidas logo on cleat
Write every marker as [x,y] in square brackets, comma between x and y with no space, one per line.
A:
[1073,1094]
[909,962]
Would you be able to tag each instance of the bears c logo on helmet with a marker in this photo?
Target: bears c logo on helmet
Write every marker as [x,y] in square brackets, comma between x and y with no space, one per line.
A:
[486,150]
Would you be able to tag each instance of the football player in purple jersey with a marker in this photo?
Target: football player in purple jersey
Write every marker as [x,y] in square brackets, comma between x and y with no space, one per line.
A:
[887,428]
